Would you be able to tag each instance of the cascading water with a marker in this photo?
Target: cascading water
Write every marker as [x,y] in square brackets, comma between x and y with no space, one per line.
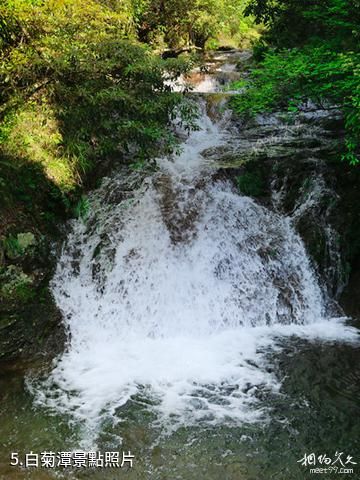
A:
[176,293]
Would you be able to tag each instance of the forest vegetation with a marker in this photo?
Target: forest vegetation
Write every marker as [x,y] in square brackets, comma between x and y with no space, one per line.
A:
[187,298]
[77,83]
[310,49]
[83,83]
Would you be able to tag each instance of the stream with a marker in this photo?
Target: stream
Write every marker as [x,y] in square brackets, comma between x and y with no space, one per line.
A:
[200,336]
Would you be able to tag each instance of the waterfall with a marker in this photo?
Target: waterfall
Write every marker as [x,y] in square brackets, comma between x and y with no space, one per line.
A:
[177,292]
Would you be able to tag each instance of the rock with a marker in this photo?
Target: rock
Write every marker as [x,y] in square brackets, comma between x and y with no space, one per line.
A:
[16,247]
[15,286]
[30,322]
[298,159]
[2,254]
[35,330]
[26,240]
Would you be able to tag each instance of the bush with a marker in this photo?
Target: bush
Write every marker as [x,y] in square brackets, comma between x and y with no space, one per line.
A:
[317,57]
[76,89]
[286,78]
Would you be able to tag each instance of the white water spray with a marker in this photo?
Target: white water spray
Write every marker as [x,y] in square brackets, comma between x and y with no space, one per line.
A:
[175,294]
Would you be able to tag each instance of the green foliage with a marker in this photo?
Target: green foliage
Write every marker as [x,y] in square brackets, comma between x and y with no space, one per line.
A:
[323,63]
[82,208]
[138,165]
[178,23]
[16,286]
[16,246]
[238,85]
[76,89]
[12,247]
[100,85]
[295,23]
[260,49]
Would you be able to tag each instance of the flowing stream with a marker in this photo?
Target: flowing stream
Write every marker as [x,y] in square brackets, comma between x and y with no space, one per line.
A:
[180,295]
[174,294]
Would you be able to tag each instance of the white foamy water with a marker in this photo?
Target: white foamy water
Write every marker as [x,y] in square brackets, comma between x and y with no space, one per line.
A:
[220,70]
[202,83]
[177,295]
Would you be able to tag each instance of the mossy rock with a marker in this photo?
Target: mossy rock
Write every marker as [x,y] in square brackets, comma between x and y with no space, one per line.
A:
[2,255]
[32,330]
[251,183]
[26,240]
[16,286]
[17,246]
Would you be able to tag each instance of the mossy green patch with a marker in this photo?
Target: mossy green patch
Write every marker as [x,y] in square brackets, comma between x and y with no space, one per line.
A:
[15,246]
[251,183]
[16,286]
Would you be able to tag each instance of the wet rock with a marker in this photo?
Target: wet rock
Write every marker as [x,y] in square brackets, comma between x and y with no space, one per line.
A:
[16,286]
[19,245]
[26,240]
[179,208]
[298,157]
[29,318]
[351,294]
[35,330]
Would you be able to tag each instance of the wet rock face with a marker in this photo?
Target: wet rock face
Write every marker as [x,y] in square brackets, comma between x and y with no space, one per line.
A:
[29,320]
[31,324]
[31,331]
[180,207]
[291,162]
